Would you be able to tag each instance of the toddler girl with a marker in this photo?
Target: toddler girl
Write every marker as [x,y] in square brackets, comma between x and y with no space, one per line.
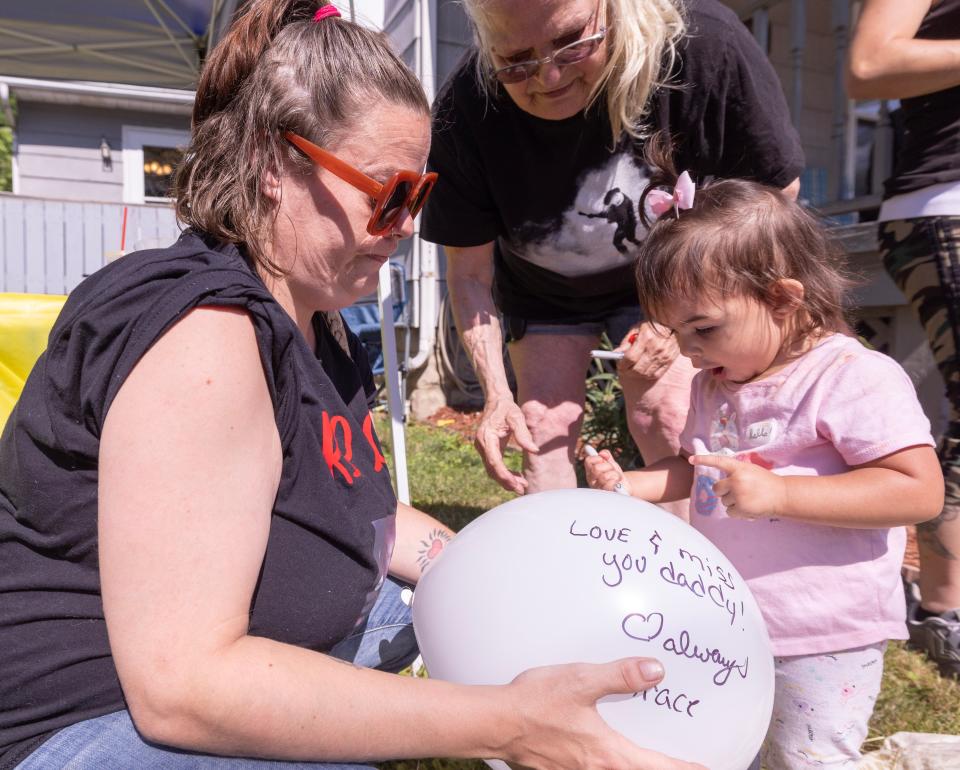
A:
[803,454]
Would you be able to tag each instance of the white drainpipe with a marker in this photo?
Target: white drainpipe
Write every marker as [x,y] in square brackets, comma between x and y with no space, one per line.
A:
[424,253]
[425,282]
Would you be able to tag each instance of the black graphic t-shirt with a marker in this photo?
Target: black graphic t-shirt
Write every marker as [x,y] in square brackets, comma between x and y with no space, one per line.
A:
[332,527]
[561,206]
[930,152]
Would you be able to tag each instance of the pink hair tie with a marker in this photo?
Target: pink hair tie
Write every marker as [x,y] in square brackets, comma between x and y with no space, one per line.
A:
[661,202]
[326,12]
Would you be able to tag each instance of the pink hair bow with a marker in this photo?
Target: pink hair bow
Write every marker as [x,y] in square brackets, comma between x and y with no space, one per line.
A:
[661,202]
[326,12]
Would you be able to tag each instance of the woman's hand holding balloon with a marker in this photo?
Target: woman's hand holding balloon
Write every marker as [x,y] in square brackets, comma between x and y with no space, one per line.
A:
[586,575]
[561,728]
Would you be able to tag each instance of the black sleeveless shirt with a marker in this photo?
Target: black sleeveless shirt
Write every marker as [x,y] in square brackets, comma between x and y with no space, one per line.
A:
[930,151]
[332,528]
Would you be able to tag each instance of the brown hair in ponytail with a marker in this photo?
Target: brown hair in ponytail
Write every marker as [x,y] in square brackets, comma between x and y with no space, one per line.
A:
[740,237]
[278,70]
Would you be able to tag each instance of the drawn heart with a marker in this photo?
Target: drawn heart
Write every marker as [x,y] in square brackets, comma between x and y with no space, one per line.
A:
[643,628]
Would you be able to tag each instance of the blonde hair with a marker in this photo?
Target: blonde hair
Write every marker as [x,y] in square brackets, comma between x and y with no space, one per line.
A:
[642,40]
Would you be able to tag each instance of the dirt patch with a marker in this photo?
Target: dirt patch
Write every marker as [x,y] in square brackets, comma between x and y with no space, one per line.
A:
[459,421]
[464,422]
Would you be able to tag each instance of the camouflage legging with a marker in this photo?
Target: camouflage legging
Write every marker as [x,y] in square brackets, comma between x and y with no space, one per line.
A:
[923,257]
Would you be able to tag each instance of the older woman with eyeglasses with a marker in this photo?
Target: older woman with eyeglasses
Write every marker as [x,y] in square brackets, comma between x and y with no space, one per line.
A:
[202,554]
[538,142]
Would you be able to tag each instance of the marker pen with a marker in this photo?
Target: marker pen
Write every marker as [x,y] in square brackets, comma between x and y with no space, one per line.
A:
[591,452]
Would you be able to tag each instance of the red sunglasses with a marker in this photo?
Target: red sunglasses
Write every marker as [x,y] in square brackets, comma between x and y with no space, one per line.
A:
[405,190]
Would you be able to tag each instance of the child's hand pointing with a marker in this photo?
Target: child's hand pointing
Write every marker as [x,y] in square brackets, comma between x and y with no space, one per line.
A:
[747,491]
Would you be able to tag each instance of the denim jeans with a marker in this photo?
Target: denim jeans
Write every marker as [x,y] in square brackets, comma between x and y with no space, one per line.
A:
[111,742]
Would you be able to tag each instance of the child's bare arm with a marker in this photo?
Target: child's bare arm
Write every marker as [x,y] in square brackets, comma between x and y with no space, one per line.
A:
[905,487]
[666,480]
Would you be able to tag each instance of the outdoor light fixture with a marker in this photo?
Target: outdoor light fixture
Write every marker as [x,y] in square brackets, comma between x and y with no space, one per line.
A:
[105,158]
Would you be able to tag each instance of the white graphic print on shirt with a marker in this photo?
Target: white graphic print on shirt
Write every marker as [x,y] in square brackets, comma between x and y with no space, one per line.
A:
[725,440]
[724,433]
[601,229]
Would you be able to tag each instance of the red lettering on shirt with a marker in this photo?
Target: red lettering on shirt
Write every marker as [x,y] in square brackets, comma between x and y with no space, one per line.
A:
[338,453]
[378,460]
[338,446]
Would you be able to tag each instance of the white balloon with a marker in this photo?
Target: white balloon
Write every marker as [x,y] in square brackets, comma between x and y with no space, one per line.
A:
[584,575]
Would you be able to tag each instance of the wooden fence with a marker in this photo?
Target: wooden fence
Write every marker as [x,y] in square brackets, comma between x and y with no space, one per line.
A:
[48,246]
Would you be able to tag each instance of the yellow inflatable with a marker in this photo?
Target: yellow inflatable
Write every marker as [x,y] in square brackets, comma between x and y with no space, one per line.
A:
[25,322]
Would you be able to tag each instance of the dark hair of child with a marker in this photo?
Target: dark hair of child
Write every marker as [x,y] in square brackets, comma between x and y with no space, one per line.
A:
[739,238]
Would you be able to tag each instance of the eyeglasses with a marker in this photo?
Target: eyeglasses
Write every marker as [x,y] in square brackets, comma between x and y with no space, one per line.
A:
[561,57]
[404,191]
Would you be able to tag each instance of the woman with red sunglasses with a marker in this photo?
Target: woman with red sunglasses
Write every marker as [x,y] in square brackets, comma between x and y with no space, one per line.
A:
[202,554]
[538,143]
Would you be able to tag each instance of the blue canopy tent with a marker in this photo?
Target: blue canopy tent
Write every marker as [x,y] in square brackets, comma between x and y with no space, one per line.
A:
[159,43]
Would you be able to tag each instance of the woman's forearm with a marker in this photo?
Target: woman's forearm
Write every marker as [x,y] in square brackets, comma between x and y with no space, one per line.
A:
[421,540]
[479,326]
[470,281]
[257,697]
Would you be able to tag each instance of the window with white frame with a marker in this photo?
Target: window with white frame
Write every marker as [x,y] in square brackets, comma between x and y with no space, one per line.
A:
[150,156]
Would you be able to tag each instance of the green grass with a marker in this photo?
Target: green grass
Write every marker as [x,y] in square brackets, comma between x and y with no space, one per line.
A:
[448,480]
[914,698]
[445,474]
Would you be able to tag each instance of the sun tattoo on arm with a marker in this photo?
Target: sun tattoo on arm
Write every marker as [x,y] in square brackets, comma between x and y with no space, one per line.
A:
[431,548]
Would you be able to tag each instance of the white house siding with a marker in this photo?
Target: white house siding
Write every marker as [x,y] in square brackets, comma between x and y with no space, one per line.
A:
[452,39]
[398,23]
[818,82]
[452,33]
[58,149]
[815,122]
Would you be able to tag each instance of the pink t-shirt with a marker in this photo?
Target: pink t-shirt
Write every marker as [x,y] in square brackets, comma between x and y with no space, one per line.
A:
[821,588]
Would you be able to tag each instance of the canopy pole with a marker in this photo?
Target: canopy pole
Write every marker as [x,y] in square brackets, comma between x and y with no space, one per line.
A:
[391,373]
